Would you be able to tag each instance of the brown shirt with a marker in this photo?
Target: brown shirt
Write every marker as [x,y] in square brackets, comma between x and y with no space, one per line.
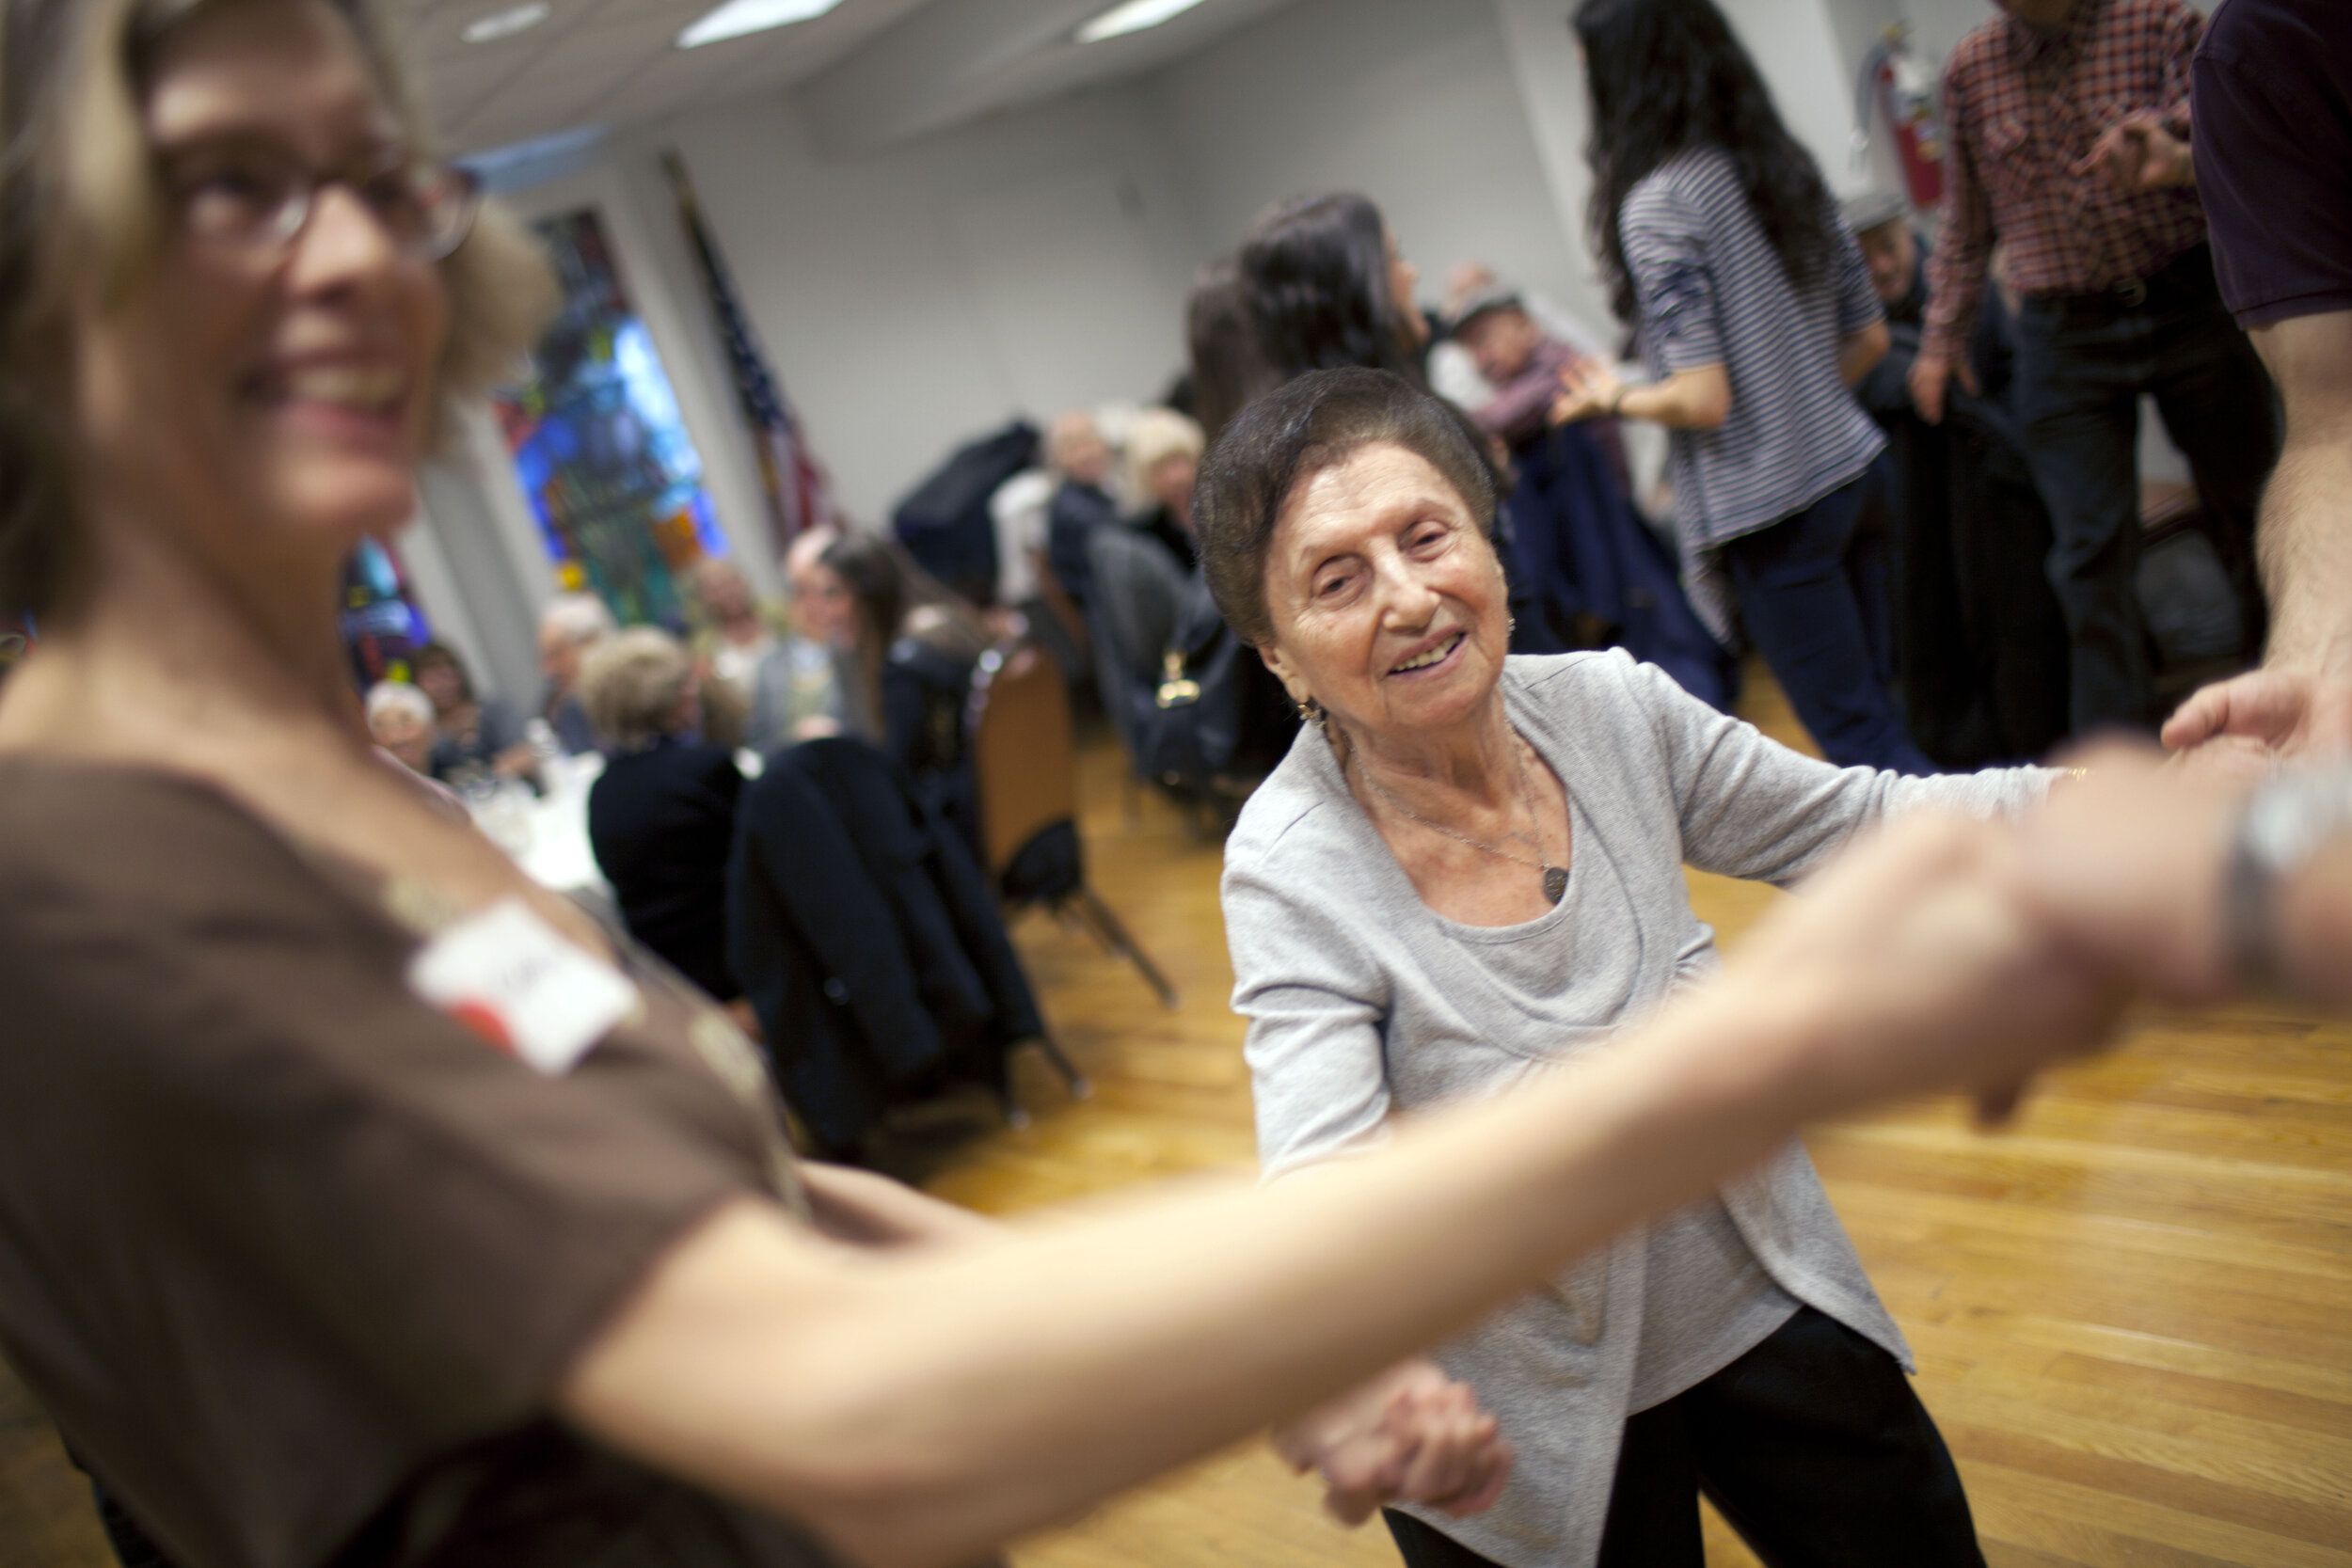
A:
[283,1249]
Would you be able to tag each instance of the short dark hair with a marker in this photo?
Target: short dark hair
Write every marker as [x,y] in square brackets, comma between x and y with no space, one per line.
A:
[1291,434]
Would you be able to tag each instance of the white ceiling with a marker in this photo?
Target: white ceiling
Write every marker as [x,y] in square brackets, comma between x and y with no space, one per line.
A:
[613,63]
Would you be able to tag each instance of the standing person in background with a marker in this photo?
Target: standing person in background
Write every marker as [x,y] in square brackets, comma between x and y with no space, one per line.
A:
[2274,165]
[1755,315]
[1324,285]
[1224,362]
[569,626]
[2069,124]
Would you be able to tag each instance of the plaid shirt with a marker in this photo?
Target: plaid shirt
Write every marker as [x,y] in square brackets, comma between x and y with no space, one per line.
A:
[2023,109]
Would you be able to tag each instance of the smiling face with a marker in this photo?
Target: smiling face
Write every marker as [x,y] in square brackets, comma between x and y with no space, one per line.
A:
[266,405]
[1387,600]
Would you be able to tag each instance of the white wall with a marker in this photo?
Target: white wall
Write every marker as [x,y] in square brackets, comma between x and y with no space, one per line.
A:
[1411,103]
[910,299]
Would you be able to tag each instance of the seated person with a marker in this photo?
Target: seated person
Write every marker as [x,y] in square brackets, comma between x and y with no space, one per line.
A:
[479,740]
[732,632]
[1163,461]
[1470,865]
[1076,453]
[796,692]
[1979,642]
[567,627]
[1898,257]
[400,719]
[661,814]
[1520,360]
[908,648]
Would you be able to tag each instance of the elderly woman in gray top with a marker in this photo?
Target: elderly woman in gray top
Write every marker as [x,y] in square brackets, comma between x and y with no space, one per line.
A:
[1470,865]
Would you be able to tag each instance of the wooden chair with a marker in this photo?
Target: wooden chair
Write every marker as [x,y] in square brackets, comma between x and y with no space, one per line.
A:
[1026,764]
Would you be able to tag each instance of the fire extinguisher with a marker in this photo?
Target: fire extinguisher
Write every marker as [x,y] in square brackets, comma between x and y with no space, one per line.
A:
[1898,86]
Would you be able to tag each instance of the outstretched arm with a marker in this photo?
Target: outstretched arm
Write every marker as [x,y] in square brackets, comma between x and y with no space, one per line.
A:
[919,1406]
[2300,701]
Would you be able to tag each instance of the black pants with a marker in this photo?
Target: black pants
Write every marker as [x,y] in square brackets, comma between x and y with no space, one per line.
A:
[1812,1445]
[2081,368]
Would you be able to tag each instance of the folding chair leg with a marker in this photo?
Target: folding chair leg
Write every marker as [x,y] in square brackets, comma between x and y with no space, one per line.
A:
[1079,1087]
[1115,936]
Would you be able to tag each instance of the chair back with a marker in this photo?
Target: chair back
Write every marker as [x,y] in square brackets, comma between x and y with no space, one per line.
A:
[1024,761]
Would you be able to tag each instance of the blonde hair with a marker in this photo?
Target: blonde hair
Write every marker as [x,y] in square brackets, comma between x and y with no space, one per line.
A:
[630,683]
[1156,436]
[81,221]
[386,698]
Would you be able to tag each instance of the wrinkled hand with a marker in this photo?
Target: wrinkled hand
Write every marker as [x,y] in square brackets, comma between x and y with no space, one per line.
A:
[2295,713]
[2125,868]
[1929,373]
[1589,391]
[1915,964]
[1412,1435]
[2137,153]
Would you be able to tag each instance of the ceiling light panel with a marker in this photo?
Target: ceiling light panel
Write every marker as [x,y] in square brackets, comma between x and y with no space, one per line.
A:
[1132,17]
[737,17]
[505,23]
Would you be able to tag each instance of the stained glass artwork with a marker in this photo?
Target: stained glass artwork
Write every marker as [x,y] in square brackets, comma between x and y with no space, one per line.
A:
[600,446]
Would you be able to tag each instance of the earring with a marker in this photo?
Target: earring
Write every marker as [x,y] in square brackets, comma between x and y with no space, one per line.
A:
[1310,712]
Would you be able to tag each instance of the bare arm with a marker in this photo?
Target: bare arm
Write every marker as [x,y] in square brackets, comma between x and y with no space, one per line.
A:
[2307,512]
[1697,399]
[2301,700]
[857,1206]
[1859,351]
[919,1406]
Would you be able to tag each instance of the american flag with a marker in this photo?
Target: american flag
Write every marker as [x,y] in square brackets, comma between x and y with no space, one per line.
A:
[795,486]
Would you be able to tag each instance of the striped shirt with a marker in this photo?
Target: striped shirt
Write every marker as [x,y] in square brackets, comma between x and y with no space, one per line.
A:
[1712,291]
[2024,108]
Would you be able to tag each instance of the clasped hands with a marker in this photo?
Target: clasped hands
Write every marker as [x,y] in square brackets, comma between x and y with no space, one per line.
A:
[1412,1435]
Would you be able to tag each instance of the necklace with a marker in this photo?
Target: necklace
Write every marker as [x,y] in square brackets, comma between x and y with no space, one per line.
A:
[1555,877]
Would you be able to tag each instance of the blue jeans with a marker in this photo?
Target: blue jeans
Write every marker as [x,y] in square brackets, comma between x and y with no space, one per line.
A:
[2082,364]
[1813,596]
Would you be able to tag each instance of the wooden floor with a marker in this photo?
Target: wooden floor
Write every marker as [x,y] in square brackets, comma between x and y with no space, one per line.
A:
[2133,1313]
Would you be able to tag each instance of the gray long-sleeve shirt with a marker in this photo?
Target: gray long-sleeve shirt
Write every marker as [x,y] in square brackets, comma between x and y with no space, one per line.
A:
[1363,1001]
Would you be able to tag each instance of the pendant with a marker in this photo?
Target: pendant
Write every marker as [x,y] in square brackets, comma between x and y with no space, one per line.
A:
[1555,883]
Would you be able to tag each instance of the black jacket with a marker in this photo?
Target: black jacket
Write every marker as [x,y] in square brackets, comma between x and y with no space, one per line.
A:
[869,941]
[662,822]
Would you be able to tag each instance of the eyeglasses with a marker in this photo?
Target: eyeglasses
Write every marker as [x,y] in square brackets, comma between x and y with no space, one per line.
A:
[258,198]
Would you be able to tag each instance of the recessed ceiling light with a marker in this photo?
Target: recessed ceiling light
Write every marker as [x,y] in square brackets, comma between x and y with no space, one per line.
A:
[505,23]
[1132,17]
[737,17]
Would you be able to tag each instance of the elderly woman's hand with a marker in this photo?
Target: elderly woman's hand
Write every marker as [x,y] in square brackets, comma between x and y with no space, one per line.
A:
[1412,1435]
